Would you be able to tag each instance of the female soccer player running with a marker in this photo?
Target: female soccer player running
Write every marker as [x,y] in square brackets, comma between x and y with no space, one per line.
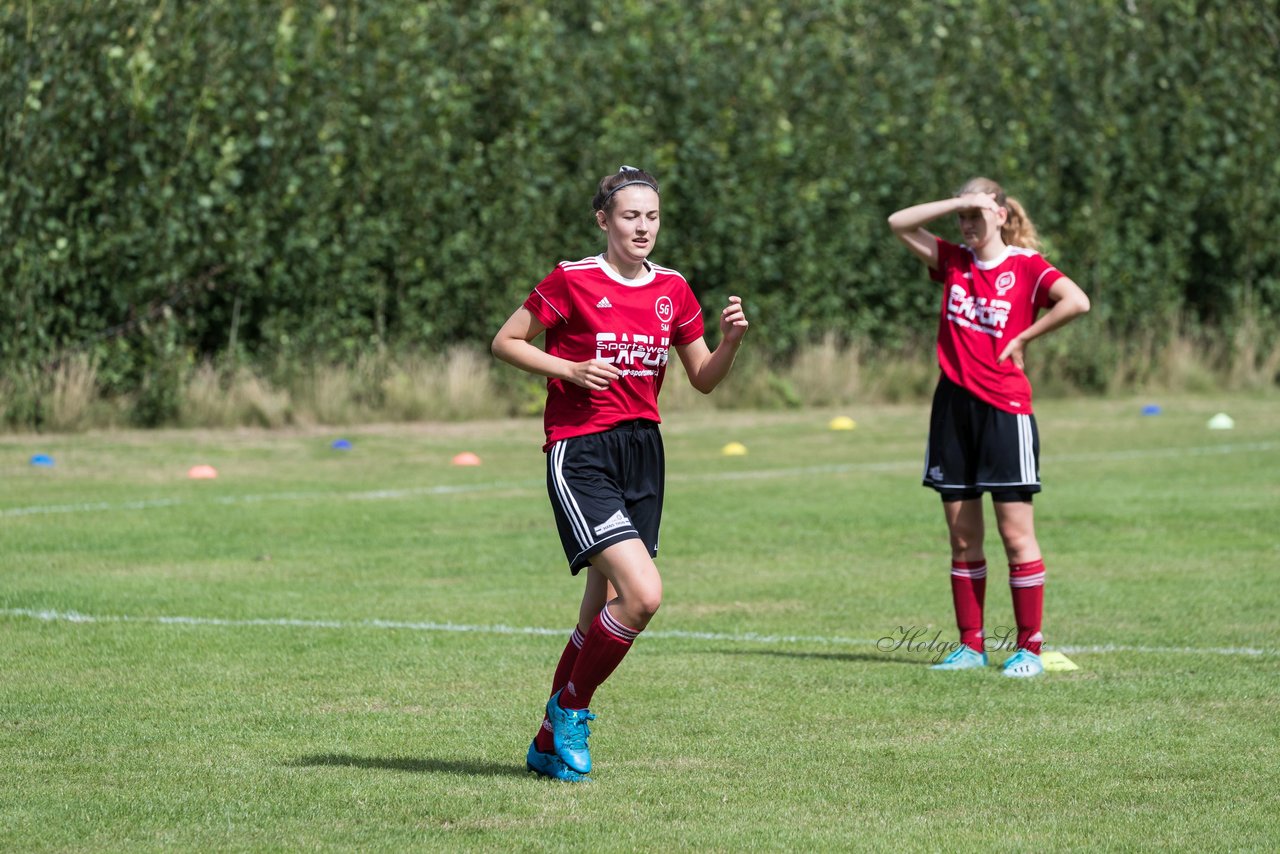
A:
[982,433]
[610,322]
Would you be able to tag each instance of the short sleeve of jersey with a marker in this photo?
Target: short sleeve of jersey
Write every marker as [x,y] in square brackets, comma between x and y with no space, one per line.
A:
[549,302]
[687,325]
[1044,275]
[949,255]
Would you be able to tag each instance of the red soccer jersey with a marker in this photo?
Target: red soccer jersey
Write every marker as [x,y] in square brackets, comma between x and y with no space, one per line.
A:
[593,313]
[985,305]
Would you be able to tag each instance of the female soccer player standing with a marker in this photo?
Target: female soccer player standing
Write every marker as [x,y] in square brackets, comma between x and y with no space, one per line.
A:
[982,433]
[610,322]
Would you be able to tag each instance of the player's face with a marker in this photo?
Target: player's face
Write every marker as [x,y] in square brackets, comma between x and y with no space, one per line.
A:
[632,225]
[978,225]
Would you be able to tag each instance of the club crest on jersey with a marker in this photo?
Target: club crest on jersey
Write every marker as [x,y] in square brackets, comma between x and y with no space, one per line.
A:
[664,308]
[1004,282]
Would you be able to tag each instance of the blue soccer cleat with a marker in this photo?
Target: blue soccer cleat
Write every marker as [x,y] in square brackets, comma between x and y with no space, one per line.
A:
[551,765]
[1023,664]
[965,657]
[569,730]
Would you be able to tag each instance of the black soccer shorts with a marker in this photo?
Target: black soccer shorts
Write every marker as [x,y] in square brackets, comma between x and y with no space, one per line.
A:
[975,448]
[606,488]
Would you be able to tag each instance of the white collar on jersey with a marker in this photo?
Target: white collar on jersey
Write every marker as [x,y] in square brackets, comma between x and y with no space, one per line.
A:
[994,262]
[643,279]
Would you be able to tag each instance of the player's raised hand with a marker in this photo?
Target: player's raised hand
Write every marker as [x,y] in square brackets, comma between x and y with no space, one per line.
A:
[594,374]
[980,201]
[733,320]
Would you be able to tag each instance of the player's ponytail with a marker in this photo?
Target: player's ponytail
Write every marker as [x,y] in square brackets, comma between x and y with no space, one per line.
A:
[1018,229]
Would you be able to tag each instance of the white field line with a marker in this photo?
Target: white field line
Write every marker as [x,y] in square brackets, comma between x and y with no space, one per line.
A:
[495,486]
[369,495]
[50,616]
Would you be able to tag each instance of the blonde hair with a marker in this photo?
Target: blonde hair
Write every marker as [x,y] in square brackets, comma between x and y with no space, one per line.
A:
[1018,229]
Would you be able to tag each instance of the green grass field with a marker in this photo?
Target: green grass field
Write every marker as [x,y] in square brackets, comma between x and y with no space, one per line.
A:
[348,649]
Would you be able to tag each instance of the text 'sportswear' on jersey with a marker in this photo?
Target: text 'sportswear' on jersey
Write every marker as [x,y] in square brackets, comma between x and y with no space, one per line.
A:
[985,305]
[593,313]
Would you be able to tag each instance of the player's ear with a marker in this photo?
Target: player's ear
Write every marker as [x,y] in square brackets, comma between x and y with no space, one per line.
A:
[601,220]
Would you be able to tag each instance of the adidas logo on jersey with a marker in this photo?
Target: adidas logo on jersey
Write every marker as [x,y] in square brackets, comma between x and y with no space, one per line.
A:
[604,303]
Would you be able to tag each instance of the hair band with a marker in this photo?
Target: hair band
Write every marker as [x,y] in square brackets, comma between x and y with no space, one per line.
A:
[623,170]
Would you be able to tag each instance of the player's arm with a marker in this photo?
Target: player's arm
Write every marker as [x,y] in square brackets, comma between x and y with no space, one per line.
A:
[705,368]
[1068,302]
[908,223]
[514,345]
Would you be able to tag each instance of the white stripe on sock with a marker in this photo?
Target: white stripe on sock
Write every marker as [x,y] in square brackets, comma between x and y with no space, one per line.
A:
[616,628]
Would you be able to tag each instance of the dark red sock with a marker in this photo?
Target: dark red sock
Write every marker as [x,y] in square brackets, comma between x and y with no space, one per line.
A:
[558,681]
[608,641]
[968,590]
[1026,582]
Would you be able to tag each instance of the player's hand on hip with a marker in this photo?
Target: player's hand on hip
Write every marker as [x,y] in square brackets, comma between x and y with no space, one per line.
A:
[1013,350]
[733,320]
[595,374]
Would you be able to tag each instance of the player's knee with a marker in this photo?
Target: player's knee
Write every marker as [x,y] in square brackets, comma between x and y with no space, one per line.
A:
[1017,544]
[965,541]
[648,605]
[638,608]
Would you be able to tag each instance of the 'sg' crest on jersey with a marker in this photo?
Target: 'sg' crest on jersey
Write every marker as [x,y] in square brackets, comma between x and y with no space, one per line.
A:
[593,313]
[985,305]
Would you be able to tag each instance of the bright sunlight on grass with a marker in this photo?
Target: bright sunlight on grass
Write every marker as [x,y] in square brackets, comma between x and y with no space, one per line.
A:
[348,648]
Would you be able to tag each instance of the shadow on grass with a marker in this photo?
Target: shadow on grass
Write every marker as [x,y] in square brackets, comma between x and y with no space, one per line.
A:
[872,657]
[463,768]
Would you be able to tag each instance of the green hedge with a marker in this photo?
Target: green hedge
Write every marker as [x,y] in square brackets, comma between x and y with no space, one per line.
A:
[283,180]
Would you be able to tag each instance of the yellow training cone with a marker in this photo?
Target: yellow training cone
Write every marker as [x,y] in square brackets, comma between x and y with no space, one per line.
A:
[1056,661]
[734,449]
[842,422]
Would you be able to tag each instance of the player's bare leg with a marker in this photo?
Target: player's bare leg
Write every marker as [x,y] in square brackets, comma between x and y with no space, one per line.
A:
[968,582]
[1016,520]
[627,569]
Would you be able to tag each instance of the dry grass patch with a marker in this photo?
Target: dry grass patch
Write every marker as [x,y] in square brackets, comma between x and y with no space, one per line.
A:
[74,393]
[466,383]
[214,398]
